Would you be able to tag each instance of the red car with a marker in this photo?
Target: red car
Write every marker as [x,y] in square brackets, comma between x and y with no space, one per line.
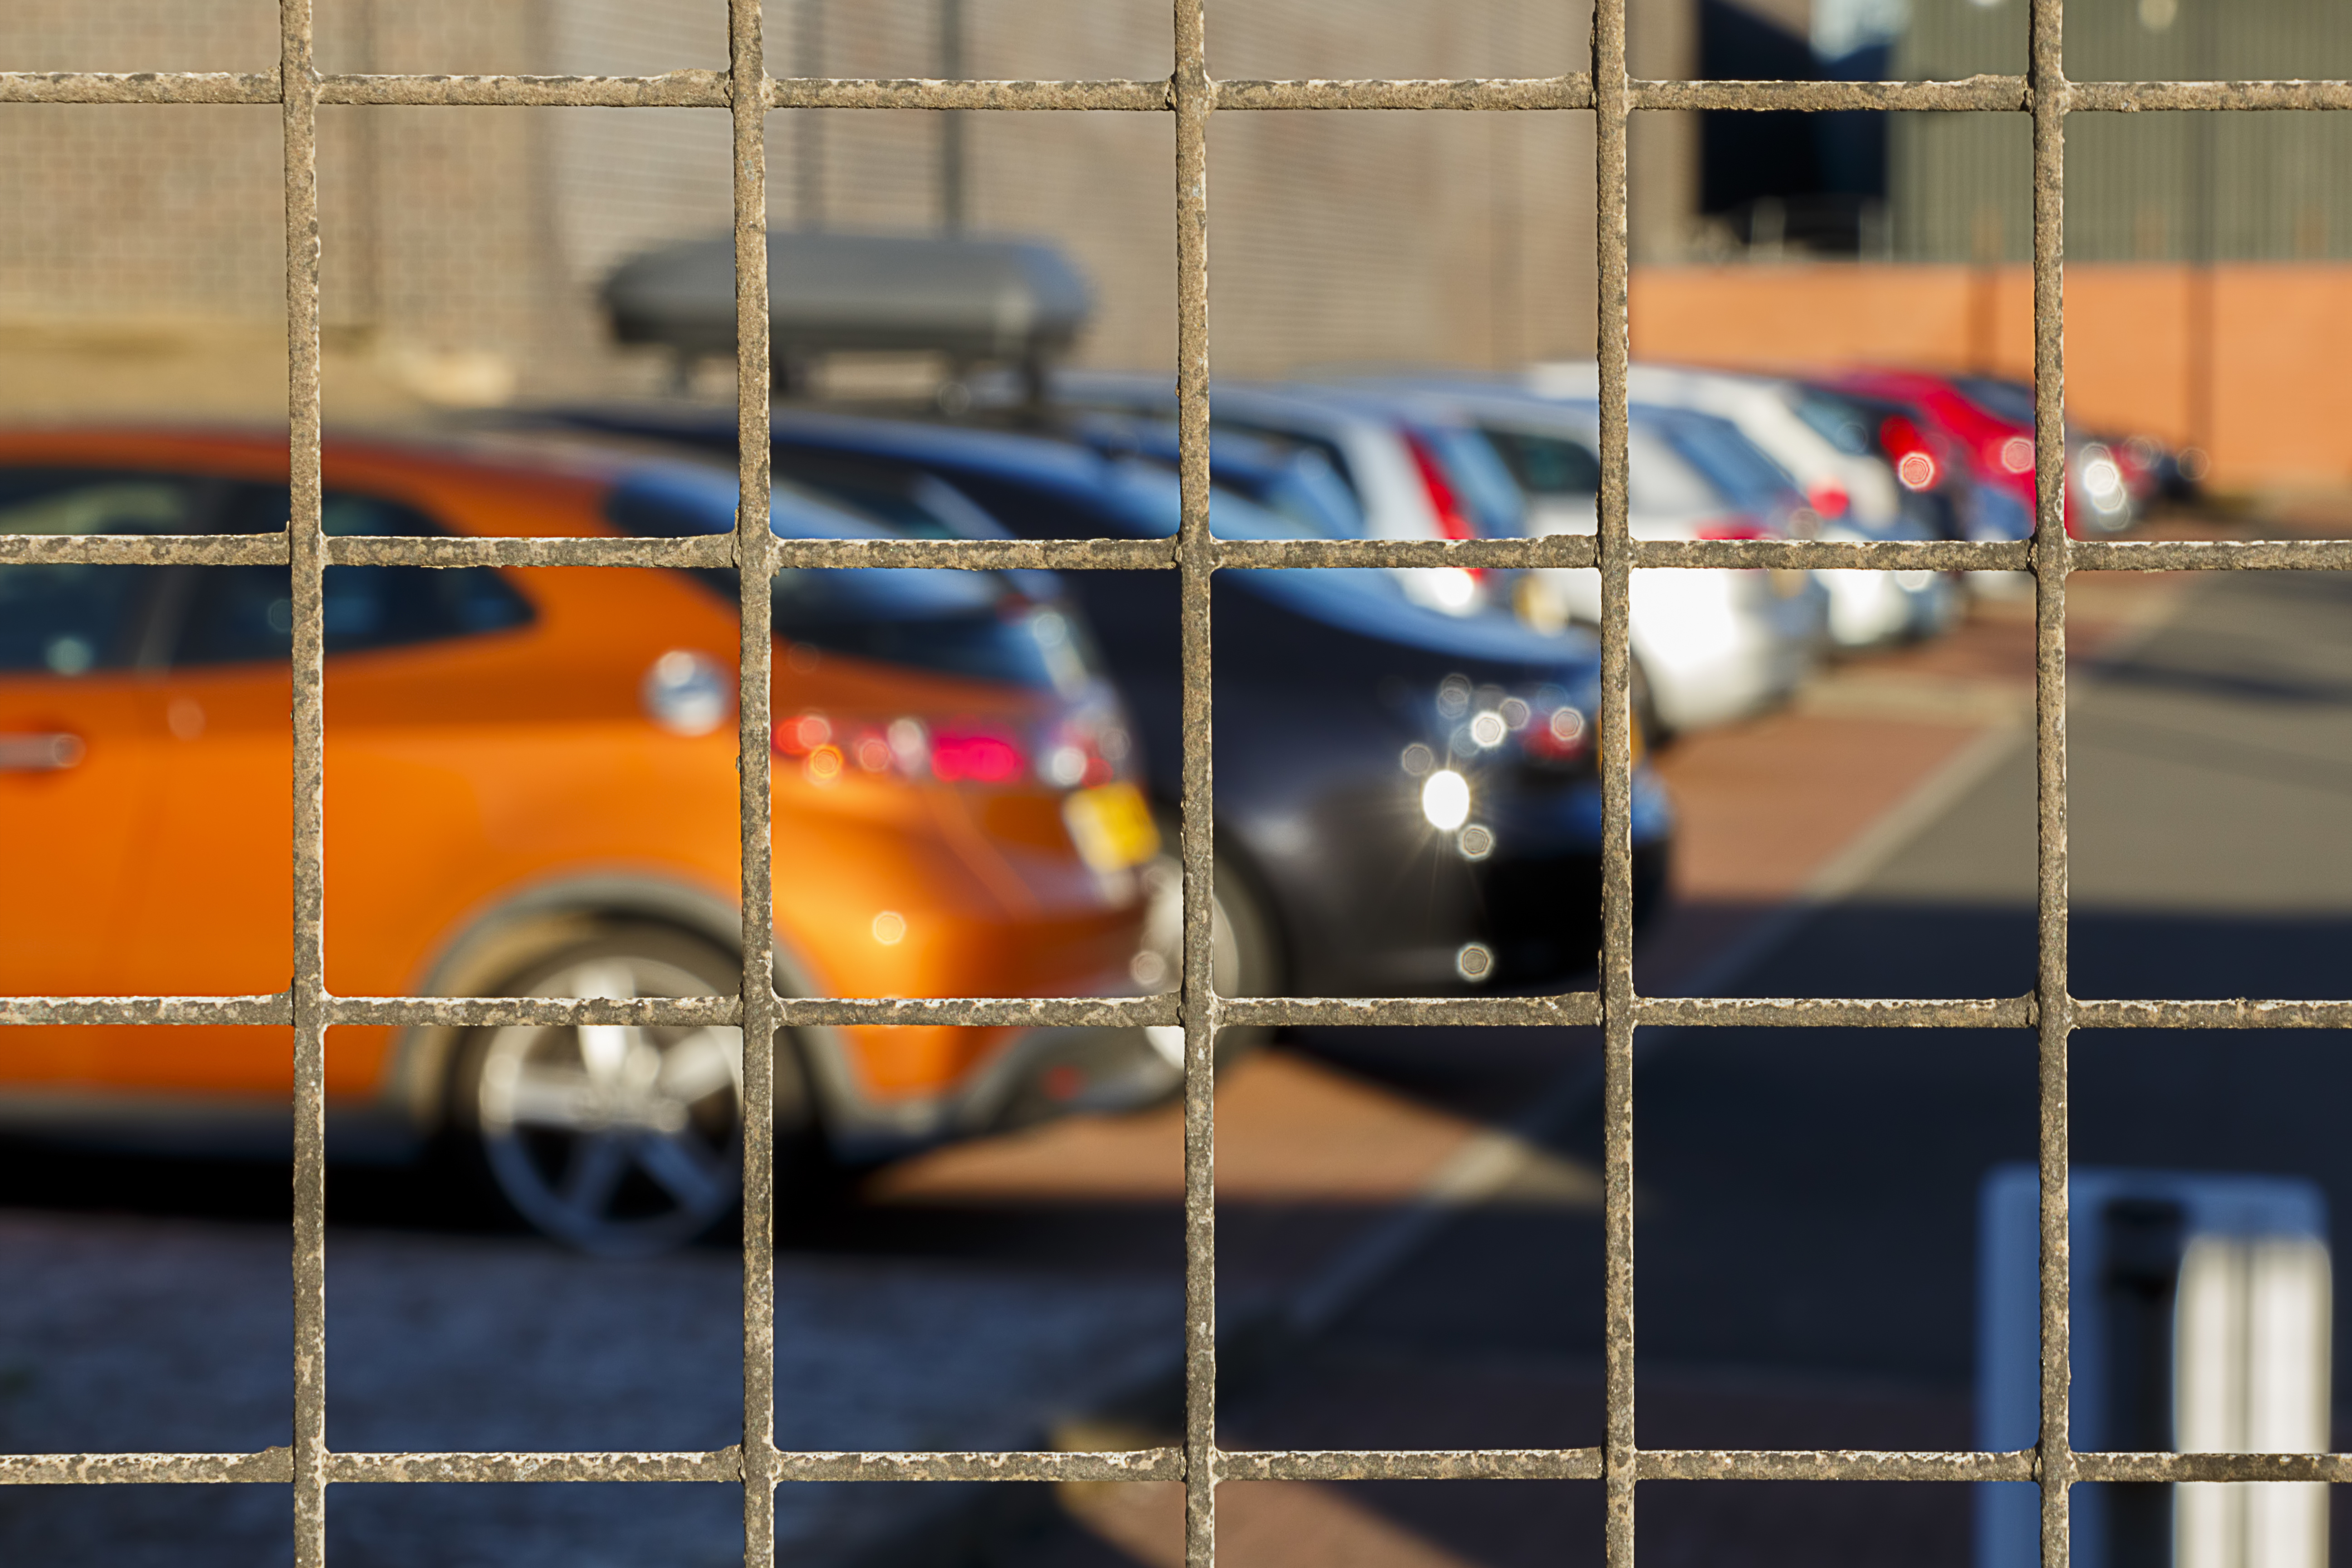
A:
[1992,423]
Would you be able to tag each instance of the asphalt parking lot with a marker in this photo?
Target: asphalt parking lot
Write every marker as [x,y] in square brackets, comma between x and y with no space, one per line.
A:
[1427,1199]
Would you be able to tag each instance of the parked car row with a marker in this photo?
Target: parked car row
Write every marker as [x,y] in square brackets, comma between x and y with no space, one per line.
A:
[531,781]
[1865,455]
[532,789]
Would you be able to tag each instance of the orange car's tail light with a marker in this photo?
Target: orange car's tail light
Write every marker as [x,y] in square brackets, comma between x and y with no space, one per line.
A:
[797,736]
[1078,751]
[827,747]
[978,756]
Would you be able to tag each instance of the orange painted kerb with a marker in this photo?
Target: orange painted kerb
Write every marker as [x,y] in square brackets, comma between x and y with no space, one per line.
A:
[2278,412]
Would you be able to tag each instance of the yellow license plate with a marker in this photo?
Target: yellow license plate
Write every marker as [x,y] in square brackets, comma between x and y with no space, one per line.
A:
[1111,824]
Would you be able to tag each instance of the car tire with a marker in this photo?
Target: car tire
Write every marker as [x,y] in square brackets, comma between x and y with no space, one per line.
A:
[1645,706]
[1655,732]
[620,1141]
[1245,949]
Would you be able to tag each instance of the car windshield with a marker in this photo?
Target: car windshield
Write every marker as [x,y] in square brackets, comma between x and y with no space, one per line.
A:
[980,625]
[1547,465]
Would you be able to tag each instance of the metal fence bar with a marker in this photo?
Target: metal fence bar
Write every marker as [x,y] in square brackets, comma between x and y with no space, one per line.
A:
[1196,560]
[711,90]
[305,541]
[1836,1013]
[670,89]
[1164,1464]
[1832,1465]
[1572,92]
[746,93]
[1613,119]
[755,547]
[2132,97]
[1977,92]
[274,1467]
[143,549]
[715,1464]
[2051,561]
[2232,1014]
[71,1010]
[1410,1465]
[1573,1009]
[1155,555]
[915,92]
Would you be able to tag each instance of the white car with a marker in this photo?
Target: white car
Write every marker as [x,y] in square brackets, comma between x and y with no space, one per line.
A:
[1710,645]
[1837,482]
[1854,494]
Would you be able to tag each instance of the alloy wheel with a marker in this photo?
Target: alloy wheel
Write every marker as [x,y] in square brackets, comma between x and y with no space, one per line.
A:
[618,1139]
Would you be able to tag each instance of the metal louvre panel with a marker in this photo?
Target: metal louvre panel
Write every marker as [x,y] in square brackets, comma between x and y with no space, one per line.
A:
[2032,82]
[1964,200]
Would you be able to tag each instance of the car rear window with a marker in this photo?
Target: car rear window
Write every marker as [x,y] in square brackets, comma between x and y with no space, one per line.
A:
[1335,457]
[1293,479]
[1842,423]
[1547,465]
[980,625]
[1741,472]
[2007,400]
[1484,478]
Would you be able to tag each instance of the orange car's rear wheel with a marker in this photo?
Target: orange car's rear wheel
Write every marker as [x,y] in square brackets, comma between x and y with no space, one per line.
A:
[617,1139]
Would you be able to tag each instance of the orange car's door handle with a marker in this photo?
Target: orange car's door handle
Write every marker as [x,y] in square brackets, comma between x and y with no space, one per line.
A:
[39,753]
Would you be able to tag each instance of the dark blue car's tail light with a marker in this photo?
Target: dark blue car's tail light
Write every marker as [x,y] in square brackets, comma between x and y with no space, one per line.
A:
[1562,736]
[1543,724]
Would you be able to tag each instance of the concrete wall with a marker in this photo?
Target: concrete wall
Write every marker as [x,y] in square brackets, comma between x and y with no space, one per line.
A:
[2276,410]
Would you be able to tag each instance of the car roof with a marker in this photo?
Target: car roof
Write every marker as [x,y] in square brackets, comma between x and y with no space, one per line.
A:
[1364,601]
[1251,400]
[594,467]
[264,451]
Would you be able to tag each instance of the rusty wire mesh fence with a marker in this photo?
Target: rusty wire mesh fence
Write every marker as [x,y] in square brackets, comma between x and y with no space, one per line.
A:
[746,92]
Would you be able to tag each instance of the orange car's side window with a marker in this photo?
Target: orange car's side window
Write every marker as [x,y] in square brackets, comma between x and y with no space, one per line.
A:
[239,614]
[67,620]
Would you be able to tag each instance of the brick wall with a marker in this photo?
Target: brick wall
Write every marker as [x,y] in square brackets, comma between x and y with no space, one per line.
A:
[1335,238]
[2276,410]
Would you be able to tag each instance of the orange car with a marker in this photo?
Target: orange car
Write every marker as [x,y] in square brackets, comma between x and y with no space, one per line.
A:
[532,789]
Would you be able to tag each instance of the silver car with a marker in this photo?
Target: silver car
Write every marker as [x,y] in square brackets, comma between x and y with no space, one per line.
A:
[1710,645]
[1853,494]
